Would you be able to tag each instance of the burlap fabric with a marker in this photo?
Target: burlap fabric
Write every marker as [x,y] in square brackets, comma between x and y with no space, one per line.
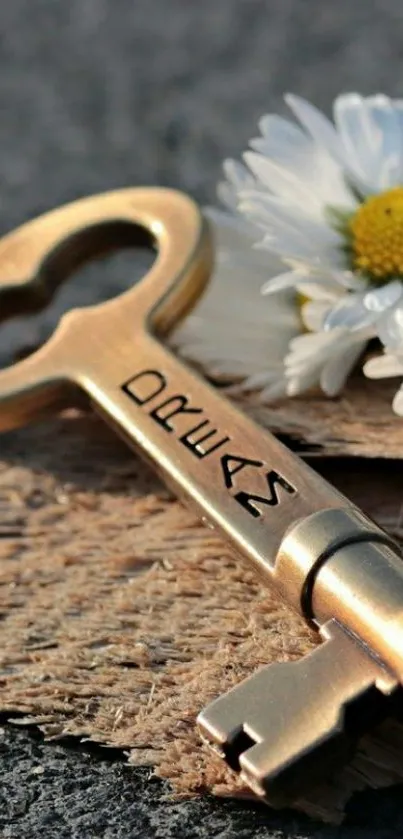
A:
[122,616]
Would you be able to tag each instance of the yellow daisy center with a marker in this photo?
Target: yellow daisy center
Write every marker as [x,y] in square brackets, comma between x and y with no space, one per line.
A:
[377,236]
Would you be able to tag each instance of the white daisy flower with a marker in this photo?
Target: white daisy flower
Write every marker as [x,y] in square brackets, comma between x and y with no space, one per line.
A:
[326,199]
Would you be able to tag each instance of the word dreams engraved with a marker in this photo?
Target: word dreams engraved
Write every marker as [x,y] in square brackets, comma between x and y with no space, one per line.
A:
[202,439]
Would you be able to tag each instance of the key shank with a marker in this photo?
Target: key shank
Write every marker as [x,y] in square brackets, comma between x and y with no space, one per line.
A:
[238,477]
[325,557]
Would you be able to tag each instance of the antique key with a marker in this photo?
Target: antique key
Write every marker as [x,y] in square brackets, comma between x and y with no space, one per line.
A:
[288,723]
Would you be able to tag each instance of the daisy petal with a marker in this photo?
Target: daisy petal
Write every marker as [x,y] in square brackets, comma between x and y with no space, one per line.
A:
[387,127]
[277,211]
[338,368]
[390,329]
[288,280]
[232,332]
[238,177]
[313,314]
[274,391]
[351,118]
[237,174]
[383,367]
[323,289]
[370,131]
[283,133]
[298,383]
[318,126]
[379,299]
[397,403]
[283,182]
[350,313]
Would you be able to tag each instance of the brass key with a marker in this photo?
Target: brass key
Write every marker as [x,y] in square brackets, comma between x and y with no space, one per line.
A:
[288,723]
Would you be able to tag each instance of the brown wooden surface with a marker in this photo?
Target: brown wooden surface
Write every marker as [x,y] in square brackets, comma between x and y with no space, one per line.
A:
[360,422]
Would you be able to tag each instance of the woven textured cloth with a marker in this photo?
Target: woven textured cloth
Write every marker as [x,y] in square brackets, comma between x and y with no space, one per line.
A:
[122,616]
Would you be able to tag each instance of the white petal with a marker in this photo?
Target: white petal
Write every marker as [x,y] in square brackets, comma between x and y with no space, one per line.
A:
[229,227]
[395,164]
[283,182]
[278,211]
[386,123]
[227,195]
[273,223]
[282,133]
[313,314]
[325,135]
[351,281]
[311,165]
[264,378]
[379,299]
[287,244]
[383,367]
[323,272]
[349,312]
[274,391]
[320,288]
[288,280]
[371,135]
[237,174]
[293,154]
[358,310]
[234,238]
[338,368]
[350,116]
[343,280]
[397,403]
[317,125]
[292,238]
[323,359]
[390,328]
[307,345]
[299,383]
[232,332]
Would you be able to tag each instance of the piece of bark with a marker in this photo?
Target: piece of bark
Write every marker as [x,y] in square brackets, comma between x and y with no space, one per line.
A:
[122,616]
[360,422]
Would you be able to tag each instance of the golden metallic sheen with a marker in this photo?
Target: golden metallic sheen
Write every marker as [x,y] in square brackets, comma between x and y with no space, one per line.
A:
[289,723]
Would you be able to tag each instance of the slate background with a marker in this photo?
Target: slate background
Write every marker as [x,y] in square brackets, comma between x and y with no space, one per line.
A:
[96,94]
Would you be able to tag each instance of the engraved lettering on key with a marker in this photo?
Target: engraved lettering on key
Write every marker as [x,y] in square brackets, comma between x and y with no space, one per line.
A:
[240,463]
[178,406]
[288,724]
[196,445]
[250,500]
[134,387]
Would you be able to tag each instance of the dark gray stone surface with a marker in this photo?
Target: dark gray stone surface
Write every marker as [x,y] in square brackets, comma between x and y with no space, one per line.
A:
[67,793]
[96,94]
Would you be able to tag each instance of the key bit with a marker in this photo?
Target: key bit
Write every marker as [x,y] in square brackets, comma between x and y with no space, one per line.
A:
[282,727]
[290,722]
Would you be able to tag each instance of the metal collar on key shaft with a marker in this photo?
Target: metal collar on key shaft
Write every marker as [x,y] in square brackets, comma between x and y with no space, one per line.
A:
[328,567]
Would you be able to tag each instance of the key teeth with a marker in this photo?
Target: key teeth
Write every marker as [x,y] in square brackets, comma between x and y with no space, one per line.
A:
[283,727]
